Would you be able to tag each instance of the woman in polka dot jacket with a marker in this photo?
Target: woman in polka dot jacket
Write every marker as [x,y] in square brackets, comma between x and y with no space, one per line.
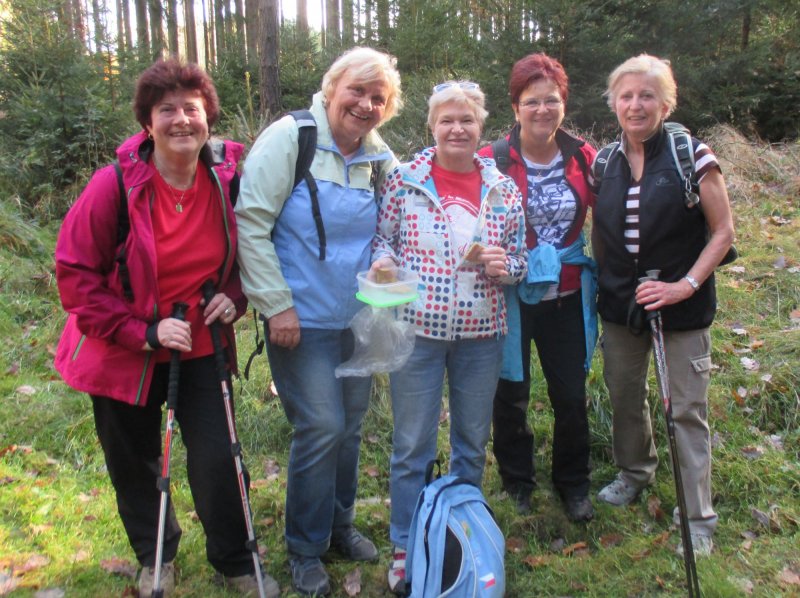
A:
[453,219]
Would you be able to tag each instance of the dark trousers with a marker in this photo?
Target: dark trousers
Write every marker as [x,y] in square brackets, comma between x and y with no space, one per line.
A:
[132,444]
[557,329]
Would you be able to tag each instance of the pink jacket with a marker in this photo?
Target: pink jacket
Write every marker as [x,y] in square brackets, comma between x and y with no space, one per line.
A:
[100,351]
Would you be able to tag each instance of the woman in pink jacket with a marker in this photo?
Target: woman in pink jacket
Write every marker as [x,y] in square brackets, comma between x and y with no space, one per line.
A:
[118,278]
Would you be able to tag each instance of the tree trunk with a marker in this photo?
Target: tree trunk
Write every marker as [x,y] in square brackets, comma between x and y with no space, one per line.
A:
[208,33]
[228,22]
[79,22]
[382,8]
[747,19]
[190,31]
[219,26]
[172,27]
[367,39]
[156,30]
[99,26]
[239,22]
[347,22]
[251,25]
[142,31]
[302,16]
[270,49]
[332,30]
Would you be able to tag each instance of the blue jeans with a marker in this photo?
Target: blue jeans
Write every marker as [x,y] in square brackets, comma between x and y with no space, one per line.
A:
[472,367]
[326,414]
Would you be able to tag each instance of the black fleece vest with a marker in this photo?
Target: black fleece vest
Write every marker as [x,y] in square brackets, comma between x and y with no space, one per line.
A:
[671,236]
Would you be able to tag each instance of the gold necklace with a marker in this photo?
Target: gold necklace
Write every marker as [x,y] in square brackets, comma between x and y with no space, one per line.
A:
[174,191]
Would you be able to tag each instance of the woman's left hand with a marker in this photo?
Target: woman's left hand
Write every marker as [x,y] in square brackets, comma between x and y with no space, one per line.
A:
[493,259]
[220,307]
[655,294]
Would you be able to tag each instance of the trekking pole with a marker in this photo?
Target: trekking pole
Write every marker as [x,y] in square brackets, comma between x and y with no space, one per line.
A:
[662,374]
[179,313]
[236,447]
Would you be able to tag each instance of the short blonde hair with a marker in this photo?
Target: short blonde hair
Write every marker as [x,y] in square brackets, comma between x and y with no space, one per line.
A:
[367,65]
[466,93]
[645,64]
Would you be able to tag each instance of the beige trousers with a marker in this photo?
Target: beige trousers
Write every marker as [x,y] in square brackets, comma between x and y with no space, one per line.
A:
[626,360]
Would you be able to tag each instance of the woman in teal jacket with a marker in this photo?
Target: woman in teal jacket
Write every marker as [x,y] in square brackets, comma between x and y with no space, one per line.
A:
[307,295]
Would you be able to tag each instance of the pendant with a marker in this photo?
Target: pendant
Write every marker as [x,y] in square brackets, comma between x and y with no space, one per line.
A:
[178,208]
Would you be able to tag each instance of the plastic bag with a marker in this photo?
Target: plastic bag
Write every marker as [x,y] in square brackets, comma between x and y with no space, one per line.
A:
[383,343]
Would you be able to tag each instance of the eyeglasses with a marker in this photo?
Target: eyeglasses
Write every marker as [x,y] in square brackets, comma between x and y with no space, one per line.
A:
[461,84]
[549,103]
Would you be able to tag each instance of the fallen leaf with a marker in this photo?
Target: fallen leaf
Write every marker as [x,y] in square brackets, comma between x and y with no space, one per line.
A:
[738,398]
[84,498]
[739,331]
[747,545]
[273,390]
[578,587]
[661,583]
[443,416]
[767,520]
[749,364]
[794,315]
[610,540]
[539,406]
[118,566]
[641,555]
[372,439]
[775,441]
[267,521]
[26,389]
[779,263]
[514,544]
[90,518]
[272,467]
[557,544]
[737,269]
[749,534]
[50,593]
[537,561]
[654,507]
[352,582]
[661,538]
[40,529]
[753,452]
[193,516]
[80,556]
[576,548]
[756,345]
[12,369]
[766,378]
[7,480]
[745,585]
[37,561]
[789,577]
[779,220]
[8,584]
[373,471]
[260,483]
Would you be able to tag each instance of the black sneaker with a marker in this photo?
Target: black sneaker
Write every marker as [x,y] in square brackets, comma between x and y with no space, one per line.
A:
[352,544]
[579,508]
[309,577]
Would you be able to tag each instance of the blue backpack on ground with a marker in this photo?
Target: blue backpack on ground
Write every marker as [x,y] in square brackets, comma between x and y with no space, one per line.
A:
[455,547]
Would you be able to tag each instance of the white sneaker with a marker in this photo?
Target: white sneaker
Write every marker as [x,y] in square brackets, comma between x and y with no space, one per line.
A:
[397,572]
[619,492]
[701,545]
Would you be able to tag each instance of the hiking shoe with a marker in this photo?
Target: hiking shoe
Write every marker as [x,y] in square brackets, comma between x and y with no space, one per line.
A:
[397,572]
[147,579]
[352,544]
[701,545]
[309,577]
[579,508]
[247,585]
[619,492]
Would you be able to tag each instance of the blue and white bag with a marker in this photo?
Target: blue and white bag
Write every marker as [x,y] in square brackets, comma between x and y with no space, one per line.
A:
[455,548]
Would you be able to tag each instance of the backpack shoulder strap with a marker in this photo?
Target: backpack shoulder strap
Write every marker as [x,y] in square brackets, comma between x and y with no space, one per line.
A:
[123,228]
[680,145]
[306,147]
[601,161]
[501,151]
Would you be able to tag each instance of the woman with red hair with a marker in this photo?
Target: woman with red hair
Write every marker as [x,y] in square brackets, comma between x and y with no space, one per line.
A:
[550,167]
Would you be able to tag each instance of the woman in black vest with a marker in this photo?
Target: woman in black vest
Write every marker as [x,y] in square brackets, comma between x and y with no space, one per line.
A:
[643,222]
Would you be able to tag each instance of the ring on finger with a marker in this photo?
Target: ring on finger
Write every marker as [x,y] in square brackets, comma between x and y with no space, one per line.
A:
[228,311]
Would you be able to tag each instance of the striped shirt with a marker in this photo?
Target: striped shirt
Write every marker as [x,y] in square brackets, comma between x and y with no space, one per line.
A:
[705,160]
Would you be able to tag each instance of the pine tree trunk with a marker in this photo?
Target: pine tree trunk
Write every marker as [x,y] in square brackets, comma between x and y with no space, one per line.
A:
[252,21]
[270,49]
[156,30]
[382,8]
[219,26]
[142,31]
[190,31]
[208,33]
[347,22]
[302,16]
[172,27]
[332,21]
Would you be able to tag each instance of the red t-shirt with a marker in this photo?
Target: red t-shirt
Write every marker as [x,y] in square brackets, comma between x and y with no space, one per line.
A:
[460,196]
[190,247]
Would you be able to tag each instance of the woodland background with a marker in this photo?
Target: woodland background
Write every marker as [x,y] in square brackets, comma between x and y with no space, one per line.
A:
[67,67]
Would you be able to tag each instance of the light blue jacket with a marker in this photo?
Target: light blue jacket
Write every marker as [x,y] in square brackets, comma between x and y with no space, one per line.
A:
[278,241]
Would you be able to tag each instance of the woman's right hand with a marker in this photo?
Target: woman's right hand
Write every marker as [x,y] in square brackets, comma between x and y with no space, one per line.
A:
[284,329]
[174,334]
[384,264]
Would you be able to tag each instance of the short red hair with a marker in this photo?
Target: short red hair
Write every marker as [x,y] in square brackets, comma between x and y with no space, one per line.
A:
[169,75]
[533,68]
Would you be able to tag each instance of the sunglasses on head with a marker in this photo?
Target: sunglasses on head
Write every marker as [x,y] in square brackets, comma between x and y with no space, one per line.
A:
[461,84]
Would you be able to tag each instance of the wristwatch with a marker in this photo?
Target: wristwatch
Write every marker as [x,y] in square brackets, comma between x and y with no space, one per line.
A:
[692,281]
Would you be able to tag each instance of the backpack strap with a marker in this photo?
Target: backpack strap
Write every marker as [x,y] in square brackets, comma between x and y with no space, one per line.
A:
[123,228]
[601,161]
[501,151]
[680,145]
[306,148]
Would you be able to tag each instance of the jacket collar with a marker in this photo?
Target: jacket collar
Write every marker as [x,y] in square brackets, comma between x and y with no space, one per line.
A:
[569,145]
[372,145]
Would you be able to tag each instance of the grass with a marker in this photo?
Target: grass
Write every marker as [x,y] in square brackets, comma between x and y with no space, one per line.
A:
[58,522]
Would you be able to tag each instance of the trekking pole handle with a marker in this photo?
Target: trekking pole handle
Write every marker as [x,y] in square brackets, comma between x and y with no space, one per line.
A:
[219,357]
[179,313]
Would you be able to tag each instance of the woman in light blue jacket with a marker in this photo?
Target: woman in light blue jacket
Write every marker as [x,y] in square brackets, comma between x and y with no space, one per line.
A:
[301,276]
